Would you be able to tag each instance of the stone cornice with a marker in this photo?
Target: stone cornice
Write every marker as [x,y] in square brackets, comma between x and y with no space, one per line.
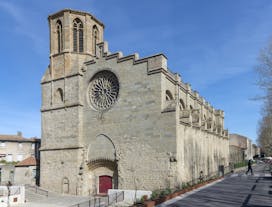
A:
[63,77]
[63,148]
[70,52]
[61,107]
[60,13]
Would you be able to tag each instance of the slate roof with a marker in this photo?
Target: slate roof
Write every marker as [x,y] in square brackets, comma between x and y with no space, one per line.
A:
[16,138]
[30,161]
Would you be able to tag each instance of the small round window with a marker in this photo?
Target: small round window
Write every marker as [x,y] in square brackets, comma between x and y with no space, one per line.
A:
[103,90]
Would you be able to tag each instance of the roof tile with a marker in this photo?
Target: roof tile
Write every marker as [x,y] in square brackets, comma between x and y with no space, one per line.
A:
[30,161]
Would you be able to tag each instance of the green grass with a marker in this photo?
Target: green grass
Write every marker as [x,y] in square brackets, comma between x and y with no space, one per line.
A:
[6,163]
[240,164]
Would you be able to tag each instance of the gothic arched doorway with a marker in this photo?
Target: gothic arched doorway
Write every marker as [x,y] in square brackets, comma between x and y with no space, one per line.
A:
[102,176]
[102,165]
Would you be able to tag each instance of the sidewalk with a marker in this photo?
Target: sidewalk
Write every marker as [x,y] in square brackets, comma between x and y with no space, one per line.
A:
[234,190]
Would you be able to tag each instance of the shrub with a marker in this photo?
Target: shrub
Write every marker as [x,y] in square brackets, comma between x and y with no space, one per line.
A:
[5,162]
[138,201]
[160,193]
[184,185]
[144,198]
[165,192]
[155,194]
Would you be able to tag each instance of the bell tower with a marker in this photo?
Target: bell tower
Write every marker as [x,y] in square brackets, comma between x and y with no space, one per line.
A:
[74,36]
[73,39]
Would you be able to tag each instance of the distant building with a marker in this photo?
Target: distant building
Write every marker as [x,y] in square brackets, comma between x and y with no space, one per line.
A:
[27,172]
[256,151]
[241,148]
[15,150]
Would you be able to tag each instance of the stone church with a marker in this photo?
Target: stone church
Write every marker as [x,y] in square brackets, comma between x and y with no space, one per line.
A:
[122,122]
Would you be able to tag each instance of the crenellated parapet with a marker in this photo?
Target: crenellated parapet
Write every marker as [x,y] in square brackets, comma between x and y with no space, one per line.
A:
[155,63]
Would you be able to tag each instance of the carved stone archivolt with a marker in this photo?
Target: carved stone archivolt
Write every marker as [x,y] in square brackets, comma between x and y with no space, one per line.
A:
[103,90]
[101,148]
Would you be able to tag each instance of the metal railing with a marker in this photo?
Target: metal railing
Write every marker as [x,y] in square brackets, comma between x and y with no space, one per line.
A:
[37,190]
[115,198]
[15,190]
[102,201]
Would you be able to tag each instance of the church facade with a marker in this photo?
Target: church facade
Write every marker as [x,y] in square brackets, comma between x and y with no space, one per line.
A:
[123,122]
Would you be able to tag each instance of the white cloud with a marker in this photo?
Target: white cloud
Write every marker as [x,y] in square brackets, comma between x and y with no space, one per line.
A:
[12,10]
[24,24]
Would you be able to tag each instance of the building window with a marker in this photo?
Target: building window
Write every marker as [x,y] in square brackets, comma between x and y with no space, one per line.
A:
[103,90]
[65,185]
[209,122]
[34,173]
[33,146]
[11,176]
[20,145]
[19,157]
[59,96]
[181,104]
[168,96]
[2,144]
[59,36]
[95,38]
[77,36]
[9,158]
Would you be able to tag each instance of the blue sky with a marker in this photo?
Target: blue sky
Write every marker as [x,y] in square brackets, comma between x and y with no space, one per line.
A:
[213,44]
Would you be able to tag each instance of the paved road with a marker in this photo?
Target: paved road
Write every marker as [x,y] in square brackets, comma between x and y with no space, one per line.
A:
[234,190]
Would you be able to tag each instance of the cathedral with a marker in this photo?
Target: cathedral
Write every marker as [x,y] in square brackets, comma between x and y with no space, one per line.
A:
[111,121]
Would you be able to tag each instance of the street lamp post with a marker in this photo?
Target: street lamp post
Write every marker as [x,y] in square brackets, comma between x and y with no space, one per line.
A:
[8,187]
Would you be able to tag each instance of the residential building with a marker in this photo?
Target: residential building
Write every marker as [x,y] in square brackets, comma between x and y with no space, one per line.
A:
[27,172]
[15,148]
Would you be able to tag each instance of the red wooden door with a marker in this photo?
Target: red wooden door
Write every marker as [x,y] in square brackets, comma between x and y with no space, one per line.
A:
[105,183]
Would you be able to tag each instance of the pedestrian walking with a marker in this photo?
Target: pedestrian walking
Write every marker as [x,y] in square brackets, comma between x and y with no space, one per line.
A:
[249,167]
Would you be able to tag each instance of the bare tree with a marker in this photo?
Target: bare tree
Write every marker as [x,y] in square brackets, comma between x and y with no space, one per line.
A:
[265,134]
[264,70]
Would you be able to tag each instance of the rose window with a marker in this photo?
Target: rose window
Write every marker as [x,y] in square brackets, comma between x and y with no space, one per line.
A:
[103,90]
